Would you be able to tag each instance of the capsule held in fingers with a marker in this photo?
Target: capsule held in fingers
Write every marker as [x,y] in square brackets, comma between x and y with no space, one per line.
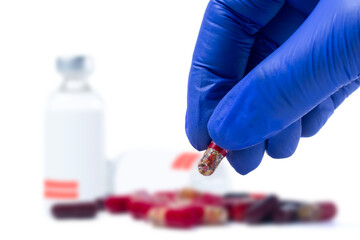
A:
[211,159]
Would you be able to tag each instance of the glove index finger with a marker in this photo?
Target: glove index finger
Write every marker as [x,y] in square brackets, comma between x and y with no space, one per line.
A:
[220,57]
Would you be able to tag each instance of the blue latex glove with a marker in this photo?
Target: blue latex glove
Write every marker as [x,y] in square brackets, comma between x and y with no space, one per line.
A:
[266,72]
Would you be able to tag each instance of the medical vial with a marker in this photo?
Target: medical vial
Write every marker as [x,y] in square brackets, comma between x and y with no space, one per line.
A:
[74,138]
[211,159]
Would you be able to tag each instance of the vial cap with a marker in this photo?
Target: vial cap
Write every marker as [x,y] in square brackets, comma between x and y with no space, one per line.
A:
[74,65]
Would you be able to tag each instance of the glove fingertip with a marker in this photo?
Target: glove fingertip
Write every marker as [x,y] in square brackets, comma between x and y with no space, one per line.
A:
[246,160]
[313,121]
[284,144]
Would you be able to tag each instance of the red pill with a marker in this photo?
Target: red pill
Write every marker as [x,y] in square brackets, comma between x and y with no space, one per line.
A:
[182,215]
[195,196]
[237,207]
[188,194]
[168,196]
[258,196]
[141,202]
[328,211]
[75,210]
[117,204]
[176,216]
[139,208]
[209,199]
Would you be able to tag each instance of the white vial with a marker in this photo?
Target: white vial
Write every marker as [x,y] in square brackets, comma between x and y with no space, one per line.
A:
[75,165]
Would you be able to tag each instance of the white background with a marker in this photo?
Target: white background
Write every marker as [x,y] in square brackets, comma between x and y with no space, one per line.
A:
[143,52]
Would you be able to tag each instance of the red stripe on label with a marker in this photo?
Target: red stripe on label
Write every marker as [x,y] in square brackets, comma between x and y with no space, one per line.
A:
[191,158]
[61,184]
[60,195]
[185,161]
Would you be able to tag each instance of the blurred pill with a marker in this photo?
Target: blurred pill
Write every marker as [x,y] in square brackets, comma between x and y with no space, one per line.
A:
[286,212]
[235,195]
[156,216]
[328,211]
[117,204]
[166,195]
[236,207]
[261,210]
[185,216]
[141,202]
[323,211]
[194,196]
[215,215]
[309,212]
[100,203]
[138,209]
[188,194]
[209,199]
[74,210]
[258,196]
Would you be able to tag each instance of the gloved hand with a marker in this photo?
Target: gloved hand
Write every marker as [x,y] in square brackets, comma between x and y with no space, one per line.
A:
[267,72]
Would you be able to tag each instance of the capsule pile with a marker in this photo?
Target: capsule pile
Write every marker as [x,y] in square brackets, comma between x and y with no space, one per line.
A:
[189,208]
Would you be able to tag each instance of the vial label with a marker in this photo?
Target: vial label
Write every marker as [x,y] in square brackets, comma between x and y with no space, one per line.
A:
[75,164]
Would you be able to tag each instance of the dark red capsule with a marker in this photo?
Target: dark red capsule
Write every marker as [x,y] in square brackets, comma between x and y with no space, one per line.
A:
[237,207]
[74,210]
[286,212]
[235,195]
[117,204]
[100,202]
[328,211]
[261,210]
